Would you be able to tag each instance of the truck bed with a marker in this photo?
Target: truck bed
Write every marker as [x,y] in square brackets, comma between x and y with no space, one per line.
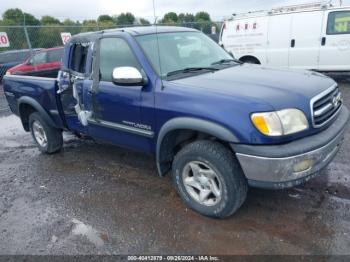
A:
[40,91]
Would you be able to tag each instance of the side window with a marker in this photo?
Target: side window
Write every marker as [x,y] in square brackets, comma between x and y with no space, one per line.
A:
[78,58]
[55,55]
[39,58]
[338,23]
[115,52]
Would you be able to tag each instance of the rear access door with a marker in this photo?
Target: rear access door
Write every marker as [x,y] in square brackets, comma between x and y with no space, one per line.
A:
[305,40]
[279,30]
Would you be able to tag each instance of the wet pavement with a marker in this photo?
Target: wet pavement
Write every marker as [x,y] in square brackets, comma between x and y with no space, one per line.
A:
[93,198]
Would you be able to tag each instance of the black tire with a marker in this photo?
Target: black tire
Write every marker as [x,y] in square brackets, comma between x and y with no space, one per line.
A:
[253,61]
[222,161]
[54,136]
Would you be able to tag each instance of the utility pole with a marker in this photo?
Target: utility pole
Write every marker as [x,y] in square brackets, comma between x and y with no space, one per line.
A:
[27,36]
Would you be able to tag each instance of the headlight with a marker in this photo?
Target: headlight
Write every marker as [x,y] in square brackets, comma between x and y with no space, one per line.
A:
[279,123]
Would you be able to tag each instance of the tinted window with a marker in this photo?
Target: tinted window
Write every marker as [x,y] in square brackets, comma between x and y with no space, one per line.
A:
[39,58]
[338,23]
[19,56]
[55,55]
[115,52]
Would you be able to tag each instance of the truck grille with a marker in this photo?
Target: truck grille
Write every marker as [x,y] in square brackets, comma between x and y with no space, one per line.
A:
[325,106]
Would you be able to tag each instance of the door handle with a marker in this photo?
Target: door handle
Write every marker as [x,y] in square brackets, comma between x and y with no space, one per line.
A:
[323,41]
[292,43]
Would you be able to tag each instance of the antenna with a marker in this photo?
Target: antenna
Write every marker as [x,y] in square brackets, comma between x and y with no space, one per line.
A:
[158,49]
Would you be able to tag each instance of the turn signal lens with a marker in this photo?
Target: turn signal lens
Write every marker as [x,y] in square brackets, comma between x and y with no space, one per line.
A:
[268,123]
[260,124]
[278,123]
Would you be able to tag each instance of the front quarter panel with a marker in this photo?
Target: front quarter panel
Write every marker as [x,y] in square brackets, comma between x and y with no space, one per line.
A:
[232,113]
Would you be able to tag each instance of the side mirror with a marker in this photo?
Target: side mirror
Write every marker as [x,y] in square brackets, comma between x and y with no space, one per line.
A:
[128,76]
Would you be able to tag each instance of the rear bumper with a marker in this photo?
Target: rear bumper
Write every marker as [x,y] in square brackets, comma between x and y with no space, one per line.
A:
[291,164]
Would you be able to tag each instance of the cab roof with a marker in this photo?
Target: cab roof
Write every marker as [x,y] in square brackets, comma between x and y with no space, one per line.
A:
[134,31]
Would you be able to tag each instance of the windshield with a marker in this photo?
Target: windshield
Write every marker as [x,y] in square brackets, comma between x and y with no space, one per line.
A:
[181,50]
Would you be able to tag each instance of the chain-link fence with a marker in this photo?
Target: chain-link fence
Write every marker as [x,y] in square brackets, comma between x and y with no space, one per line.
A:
[23,40]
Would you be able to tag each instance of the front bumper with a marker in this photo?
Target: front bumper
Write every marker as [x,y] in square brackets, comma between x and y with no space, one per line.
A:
[291,164]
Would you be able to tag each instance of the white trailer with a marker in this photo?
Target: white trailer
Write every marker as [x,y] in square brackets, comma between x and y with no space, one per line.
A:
[309,36]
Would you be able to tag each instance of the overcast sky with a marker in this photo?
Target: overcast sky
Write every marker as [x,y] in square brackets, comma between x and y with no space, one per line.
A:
[83,9]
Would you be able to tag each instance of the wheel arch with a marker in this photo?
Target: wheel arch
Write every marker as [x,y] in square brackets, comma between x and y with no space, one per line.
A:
[169,134]
[28,105]
[250,58]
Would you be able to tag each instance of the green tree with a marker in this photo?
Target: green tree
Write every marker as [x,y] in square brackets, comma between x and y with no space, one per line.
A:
[186,18]
[30,19]
[125,19]
[68,22]
[105,22]
[105,19]
[89,25]
[13,16]
[170,18]
[202,16]
[203,22]
[71,26]
[49,20]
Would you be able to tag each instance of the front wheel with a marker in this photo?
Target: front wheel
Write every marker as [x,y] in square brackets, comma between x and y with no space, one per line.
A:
[48,139]
[209,179]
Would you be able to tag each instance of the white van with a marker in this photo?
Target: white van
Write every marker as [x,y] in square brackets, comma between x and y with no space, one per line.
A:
[313,36]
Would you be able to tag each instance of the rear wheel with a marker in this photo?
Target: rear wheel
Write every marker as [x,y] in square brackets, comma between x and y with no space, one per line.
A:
[251,60]
[209,179]
[48,139]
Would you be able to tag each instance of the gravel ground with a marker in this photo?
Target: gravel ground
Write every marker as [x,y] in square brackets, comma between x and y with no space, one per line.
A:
[98,199]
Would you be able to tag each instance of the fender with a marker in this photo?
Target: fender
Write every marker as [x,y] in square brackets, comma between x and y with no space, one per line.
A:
[194,124]
[32,102]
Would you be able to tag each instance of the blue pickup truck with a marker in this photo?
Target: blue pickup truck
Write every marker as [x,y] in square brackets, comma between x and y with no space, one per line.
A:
[217,125]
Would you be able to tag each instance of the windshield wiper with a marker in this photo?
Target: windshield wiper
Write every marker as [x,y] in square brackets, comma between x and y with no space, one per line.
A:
[227,61]
[191,70]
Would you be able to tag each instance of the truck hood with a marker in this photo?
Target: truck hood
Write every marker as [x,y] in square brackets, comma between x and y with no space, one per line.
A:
[281,88]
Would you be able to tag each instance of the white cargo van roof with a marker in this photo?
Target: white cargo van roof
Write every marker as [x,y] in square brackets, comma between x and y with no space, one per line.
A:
[288,9]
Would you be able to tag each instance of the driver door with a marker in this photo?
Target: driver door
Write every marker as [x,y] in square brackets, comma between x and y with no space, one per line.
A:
[117,108]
